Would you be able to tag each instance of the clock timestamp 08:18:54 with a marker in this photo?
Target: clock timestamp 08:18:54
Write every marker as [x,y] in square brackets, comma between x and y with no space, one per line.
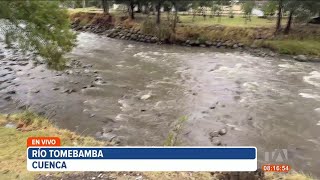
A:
[276,168]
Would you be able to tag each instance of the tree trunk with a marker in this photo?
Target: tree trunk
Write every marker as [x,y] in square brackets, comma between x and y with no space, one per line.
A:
[105,6]
[193,16]
[131,9]
[158,7]
[278,27]
[145,9]
[83,3]
[288,27]
[139,8]
[175,20]
[153,8]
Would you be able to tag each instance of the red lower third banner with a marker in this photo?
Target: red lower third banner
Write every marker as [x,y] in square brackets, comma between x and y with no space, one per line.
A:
[43,141]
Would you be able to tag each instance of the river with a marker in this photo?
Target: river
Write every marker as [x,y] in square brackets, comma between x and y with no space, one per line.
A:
[135,93]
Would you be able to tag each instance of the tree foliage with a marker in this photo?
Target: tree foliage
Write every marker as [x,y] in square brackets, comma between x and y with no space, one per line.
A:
[38,26]
[247,8]
[269,8]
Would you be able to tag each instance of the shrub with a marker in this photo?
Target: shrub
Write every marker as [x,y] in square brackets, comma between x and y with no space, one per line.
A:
[162,31]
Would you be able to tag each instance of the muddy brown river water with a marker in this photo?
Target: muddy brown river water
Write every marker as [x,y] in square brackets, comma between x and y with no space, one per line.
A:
[134,94]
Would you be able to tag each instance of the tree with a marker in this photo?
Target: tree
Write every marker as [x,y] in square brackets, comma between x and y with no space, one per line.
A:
[221,3]
[291,6]
[215,9]
[130,4]
[105,6]
[300,10]
[38,26]
[247,8]
[269,8]
[158,8]
[175,19]
[279,16]
[167,7]
[195,5]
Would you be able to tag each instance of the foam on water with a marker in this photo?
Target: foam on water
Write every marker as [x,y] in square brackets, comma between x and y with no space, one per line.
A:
[286,66]
[143,55]
[310,96]
[313,78]
[251,85]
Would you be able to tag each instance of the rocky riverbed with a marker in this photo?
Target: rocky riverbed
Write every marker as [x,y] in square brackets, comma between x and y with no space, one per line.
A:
[25,83]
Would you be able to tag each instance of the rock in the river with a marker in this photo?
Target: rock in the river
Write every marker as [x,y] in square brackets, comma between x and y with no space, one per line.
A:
[216,142]
[3,75]
[87,66]
[146,96]
[301,58]
[69,71]
[23,63]
[11,92]
[36,91]
[8,68]
[108,136]
[24,107]
[208,43]
[8,98]
[214,134]
[98,78]
[69,91]
[223,131]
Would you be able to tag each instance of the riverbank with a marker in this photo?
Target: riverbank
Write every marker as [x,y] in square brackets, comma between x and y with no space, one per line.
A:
[14,131]
[16,128]
[302,43]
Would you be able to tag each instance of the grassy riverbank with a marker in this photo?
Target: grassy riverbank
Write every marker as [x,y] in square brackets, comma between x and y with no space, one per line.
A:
[301,40]
[15,129]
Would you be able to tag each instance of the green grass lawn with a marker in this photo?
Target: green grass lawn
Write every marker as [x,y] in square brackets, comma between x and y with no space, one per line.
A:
[237,21]
[295,47]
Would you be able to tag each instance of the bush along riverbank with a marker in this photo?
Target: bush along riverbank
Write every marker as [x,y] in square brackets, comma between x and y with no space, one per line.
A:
[301,44]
